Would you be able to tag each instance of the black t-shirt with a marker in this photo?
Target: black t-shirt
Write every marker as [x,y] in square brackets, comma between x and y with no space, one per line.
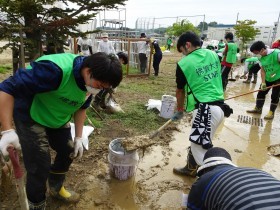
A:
[180,78]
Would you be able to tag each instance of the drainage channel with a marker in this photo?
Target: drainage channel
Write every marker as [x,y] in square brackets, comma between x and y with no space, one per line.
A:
[250,120]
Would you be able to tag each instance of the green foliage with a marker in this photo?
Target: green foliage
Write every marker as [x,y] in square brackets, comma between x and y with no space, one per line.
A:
[178,28]
[137,116]
[202,25]
[43,18]
[245,31]
[5,68]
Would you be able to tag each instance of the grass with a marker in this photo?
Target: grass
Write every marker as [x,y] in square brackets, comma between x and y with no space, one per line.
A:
[133,94]
[5,68]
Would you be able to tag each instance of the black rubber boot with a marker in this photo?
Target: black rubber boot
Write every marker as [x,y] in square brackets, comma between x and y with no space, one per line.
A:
[37,206]
[248,79]
[190,169]
[255,78]
[258,107]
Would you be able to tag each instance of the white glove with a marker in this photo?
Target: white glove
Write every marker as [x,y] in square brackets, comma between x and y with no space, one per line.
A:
[78,147]
[9,137]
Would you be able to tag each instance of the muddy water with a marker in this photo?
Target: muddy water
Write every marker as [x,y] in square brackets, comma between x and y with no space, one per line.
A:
[156,187]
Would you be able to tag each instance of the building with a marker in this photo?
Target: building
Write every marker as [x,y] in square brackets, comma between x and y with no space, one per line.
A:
[267,34]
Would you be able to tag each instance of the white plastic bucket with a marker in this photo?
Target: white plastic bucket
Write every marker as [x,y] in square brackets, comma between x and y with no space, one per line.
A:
[168,104]
[122,163]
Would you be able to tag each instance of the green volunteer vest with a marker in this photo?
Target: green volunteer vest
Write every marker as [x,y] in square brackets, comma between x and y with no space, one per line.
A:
[202,70]
[231,53]
[55,108]
[252,61]
[271,66]
[221,45]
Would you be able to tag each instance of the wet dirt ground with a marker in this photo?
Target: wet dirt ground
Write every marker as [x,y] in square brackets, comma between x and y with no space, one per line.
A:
[154,185]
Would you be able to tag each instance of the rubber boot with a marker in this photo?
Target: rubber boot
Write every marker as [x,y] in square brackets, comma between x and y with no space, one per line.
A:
[248,79]
[270,114]
[258,107]
[190,169]
[58,191]
[37,206]
[256,110]
[255,79]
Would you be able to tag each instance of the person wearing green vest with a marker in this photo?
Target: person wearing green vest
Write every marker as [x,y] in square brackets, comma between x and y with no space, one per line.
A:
[221,44]
[199,90]
[229,58]
[168,43]
[251,67]
[41,100]
[270,74]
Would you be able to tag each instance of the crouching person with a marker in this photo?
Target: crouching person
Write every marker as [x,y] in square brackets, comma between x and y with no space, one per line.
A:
[222,185]
[42,99]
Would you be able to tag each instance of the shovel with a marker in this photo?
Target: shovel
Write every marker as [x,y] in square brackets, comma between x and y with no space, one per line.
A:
[19,178]
[143,141]
[155,133]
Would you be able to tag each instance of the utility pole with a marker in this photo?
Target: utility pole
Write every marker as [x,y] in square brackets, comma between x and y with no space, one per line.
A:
[202,30]
[237,18]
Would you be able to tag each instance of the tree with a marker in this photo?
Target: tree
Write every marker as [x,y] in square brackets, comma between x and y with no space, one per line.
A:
[202,25]
[245,31]
[178,28]
[213,24]
[37,19]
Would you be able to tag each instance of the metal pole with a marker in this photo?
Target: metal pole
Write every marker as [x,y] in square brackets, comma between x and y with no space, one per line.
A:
[237,17]
[202,30]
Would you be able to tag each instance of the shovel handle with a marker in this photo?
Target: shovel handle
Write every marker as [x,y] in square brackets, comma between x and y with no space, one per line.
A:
[160,129]
[15,162]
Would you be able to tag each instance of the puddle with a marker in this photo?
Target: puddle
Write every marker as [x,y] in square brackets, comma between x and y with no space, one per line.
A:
[156,187]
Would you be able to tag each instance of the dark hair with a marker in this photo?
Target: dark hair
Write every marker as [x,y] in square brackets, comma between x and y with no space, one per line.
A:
[257,46]
[229,36]
[142,35]
[188,36]
[123,56]
[217,152]
[105,68]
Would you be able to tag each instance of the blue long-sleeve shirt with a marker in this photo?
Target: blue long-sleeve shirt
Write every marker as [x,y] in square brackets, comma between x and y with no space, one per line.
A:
[45,76]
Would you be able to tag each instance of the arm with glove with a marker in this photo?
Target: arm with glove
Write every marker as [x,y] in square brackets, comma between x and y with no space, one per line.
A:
[263,85]
[180,95]
[9,135]
[79,118]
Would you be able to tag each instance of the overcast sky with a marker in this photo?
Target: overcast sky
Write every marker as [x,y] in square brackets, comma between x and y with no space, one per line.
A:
[221,11]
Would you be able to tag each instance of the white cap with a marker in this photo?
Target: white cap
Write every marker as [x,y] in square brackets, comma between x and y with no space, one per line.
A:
[105,35]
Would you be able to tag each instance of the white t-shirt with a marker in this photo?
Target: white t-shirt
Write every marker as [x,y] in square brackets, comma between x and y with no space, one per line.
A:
[85,44]
[142,47]
[106,47]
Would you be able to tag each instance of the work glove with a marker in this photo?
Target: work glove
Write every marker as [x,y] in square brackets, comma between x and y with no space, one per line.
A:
[263,86]
[78,147]
[177,115]
[9,137]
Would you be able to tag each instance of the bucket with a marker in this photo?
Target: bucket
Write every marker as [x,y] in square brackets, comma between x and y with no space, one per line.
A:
[122,163]
[168,104]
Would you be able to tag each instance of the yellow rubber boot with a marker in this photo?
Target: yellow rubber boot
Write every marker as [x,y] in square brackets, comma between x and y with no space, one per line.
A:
[269,116]
[65,195]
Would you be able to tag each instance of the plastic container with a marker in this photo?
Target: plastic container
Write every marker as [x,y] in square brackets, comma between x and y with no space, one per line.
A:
[122,163]
[168,106]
